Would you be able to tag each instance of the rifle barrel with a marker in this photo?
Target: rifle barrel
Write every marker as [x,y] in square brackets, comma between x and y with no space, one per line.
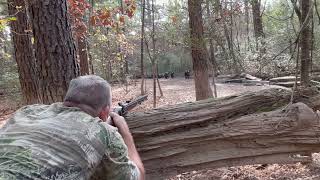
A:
[135,102]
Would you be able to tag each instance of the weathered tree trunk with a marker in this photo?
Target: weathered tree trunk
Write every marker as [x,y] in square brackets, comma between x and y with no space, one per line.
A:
[159,86]
[83,55]
[143,4]
[55,48]
[212,58]
[257,19]
[199,51]
[228,131]
[246,9]
[23,51]
[305,41]
[154,67]
[91,9]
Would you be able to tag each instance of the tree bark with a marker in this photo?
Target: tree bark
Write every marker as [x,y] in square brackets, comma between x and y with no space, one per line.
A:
[199,51]
[246,9]
[55,50]
[23,51]
[143,4]
[159,86]
[305,41]
[231,131]
[257,19]
[154,67]
[83,55]
[211,50]
[91,9]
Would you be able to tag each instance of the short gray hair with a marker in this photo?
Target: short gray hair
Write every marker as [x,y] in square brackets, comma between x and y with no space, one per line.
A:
[90,90]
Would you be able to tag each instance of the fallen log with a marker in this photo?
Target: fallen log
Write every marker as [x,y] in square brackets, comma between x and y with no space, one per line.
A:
[231,131]
[284,79]
[289,84]
[239,78]
[249,77]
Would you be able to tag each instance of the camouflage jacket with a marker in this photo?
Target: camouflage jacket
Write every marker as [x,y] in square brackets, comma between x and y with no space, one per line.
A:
[51,142]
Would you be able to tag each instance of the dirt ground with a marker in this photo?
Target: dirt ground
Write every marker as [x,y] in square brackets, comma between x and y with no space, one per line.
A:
[176,91]
[179,91]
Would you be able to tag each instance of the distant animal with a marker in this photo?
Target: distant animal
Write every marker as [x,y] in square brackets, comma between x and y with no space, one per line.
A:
[166,75]
[187,74]
[160,76]
[172,75]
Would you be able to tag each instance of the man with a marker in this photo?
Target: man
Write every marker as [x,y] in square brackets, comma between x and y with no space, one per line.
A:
[70,140]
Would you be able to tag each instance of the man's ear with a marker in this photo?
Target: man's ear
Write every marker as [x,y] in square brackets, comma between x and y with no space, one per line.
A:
[104,113]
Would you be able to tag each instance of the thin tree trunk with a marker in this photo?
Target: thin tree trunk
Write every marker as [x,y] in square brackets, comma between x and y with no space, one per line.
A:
[312,44]
[23,51]
[247,24]
[55,50]
[90,31]
[305,41]
[211,50]
[143,4]
[257,21]
[154,70]
[126,66]
[228,38]
[199,51]
[161,93]
[83,55]
[231,23]
[237,27]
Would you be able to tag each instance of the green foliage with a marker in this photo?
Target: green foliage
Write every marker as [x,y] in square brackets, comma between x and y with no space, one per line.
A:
[5,21]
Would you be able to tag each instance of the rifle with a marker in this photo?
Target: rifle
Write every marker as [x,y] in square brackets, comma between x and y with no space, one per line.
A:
[124,107]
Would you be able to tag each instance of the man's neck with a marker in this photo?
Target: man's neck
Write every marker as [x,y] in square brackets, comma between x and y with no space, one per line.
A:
[87,109]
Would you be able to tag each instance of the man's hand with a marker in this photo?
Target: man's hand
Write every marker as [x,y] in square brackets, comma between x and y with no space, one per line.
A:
[121,124]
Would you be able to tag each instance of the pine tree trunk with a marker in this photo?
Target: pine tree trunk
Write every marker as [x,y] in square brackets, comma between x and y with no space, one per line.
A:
[23,51]
[199,51]
[55,50]
[83,55]
[305,41]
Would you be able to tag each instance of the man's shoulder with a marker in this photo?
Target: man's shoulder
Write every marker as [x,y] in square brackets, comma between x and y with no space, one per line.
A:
[53,111]
[55,108]
[38,108]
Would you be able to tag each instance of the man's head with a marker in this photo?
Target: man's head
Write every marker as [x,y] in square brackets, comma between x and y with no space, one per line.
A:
[90,93]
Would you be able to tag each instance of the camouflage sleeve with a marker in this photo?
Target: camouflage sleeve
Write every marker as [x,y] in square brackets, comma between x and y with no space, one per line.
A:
[117,163]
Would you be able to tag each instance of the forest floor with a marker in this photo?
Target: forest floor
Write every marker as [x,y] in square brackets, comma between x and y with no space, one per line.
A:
[180,90]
